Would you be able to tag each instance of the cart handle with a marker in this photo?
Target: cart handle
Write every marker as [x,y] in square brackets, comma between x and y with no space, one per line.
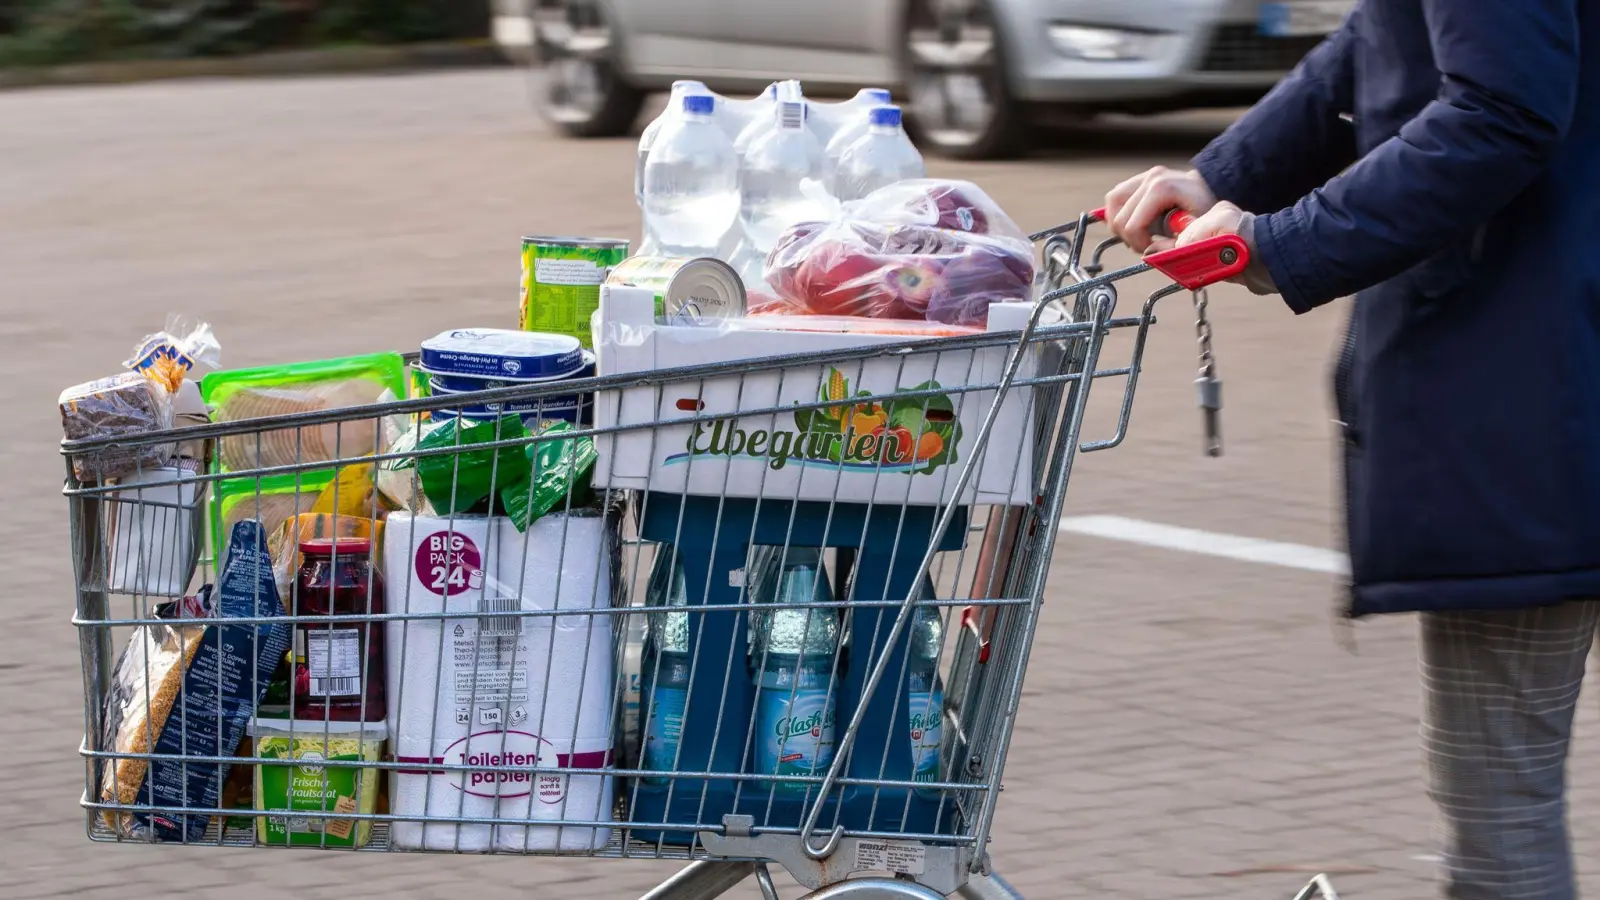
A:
[1174,223]
[1197,265]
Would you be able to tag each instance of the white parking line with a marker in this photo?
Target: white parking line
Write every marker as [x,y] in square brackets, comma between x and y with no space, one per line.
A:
[1208,543]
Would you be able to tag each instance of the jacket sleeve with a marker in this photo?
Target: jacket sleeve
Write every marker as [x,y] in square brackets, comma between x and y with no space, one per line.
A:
[1507,91]
[1293,140]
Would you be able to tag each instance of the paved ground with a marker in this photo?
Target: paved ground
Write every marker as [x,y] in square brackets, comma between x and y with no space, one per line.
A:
[1191,727]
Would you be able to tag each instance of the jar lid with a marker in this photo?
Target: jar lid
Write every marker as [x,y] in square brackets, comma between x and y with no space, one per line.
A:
[503,353]
[328,546]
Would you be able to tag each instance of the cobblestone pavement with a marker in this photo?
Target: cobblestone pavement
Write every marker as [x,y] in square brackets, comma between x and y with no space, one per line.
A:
[1191,727]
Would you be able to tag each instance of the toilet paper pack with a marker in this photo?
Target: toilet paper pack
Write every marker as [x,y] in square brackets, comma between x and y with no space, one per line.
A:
[481,692]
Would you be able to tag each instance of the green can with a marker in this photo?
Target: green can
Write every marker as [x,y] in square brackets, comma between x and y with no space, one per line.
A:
[688,290]
[561,278]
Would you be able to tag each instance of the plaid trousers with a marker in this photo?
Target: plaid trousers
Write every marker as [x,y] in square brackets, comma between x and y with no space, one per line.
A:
[1499,692]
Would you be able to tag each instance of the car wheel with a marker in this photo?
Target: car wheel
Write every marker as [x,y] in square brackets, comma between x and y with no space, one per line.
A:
[584,94]
[955,75]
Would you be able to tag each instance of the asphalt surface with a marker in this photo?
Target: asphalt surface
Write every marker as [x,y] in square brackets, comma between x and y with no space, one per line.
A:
[1191,725]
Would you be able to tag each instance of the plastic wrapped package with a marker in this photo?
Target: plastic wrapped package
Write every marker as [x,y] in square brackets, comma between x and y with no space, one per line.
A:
[272,501]
[187,688]
[119,406]
[926,248]
[523,482]
[140,401]
[167,357]
[559,469]
[303,388]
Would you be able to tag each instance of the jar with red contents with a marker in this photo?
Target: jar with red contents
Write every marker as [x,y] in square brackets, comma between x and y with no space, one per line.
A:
[338,666]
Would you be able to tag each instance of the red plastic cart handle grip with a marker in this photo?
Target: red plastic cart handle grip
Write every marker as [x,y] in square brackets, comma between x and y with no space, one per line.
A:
[1174,223]
[1199,264]
[1171,225]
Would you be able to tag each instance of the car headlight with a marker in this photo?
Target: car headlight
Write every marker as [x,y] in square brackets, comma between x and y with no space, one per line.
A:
[1104,44]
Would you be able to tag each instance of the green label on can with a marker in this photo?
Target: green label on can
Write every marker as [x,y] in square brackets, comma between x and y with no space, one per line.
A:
[561,283]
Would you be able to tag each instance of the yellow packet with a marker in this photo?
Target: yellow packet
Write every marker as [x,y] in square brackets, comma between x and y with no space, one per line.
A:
[350,494]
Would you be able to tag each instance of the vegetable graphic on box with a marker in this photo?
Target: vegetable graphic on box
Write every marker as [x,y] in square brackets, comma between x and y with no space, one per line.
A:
[918,433]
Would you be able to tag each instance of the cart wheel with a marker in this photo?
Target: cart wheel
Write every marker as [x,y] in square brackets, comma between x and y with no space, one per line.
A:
[954,61]
[585,91]
[874,889]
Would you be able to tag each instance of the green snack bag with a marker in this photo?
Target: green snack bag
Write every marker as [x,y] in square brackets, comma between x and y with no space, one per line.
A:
[557,468]
[457,482]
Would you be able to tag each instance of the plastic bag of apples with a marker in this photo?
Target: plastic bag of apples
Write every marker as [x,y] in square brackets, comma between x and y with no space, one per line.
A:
[927,248]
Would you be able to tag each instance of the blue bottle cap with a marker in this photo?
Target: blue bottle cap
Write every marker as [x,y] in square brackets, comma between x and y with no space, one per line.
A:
[885,116]
[699,103]
[879,94]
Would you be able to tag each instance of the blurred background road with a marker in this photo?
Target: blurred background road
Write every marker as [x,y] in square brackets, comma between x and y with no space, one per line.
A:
[1191,726]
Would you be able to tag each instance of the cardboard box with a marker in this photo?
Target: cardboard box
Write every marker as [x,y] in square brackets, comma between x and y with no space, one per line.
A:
[892,449]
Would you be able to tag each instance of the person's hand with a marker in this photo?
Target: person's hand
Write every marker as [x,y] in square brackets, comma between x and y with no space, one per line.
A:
[1222,218]
[1136,205]
[1225,218]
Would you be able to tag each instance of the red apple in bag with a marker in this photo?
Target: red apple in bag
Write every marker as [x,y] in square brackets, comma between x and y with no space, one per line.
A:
[838,279]
[979,277]
[912,282]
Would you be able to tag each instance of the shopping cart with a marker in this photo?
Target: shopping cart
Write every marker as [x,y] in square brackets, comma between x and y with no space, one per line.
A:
[659,665]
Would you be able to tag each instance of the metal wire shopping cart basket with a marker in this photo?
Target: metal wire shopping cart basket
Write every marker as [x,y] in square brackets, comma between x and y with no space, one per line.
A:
[781,610]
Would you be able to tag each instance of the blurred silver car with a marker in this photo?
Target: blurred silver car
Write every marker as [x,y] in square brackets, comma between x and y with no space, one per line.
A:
[974,74]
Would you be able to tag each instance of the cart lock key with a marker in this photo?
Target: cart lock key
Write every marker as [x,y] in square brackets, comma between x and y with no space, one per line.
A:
[1208,386]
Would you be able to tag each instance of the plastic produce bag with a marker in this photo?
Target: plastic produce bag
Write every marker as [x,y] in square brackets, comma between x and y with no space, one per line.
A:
[925,248]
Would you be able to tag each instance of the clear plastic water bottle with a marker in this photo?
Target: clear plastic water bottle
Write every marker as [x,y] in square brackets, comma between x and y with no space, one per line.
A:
[851,122]
[649,244]
[925,692]
[680,89]
[770,175]
[691,182]
[761,115]
[792,660]
[736,115]
[881,157]
[664,670]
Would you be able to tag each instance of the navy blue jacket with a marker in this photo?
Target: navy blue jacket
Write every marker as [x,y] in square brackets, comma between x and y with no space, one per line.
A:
[1461,199]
